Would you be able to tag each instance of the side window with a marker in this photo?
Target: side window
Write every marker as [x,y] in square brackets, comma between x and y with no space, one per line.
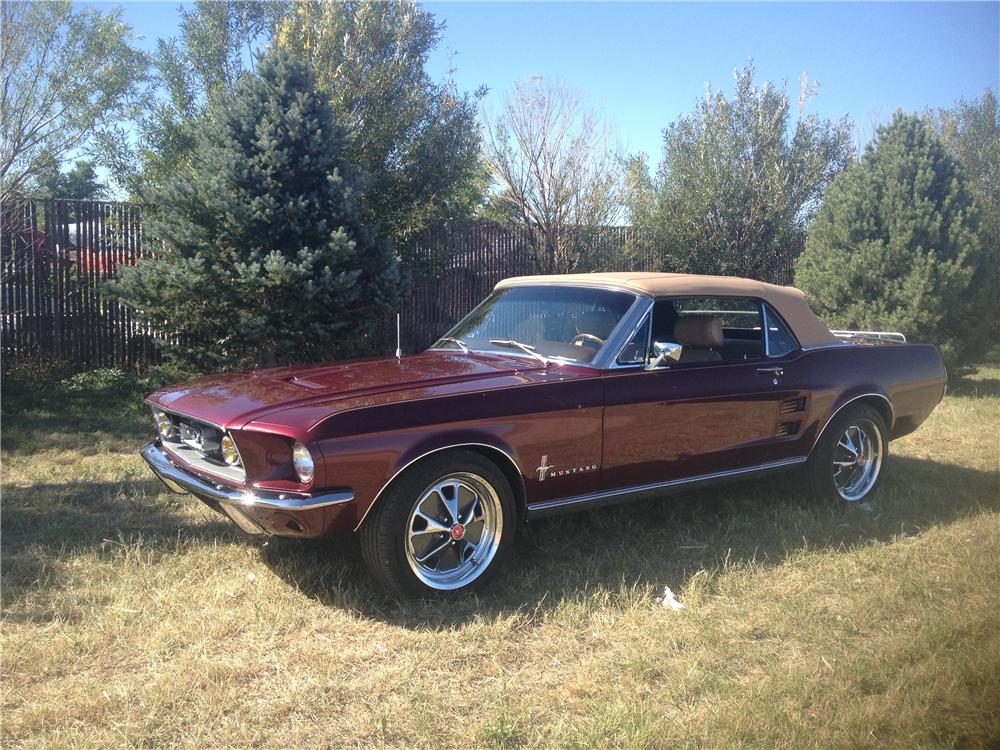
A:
[780,340]
[714,329]
[634,352]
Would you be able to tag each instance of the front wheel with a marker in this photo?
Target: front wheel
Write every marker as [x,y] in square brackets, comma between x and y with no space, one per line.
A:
[444,526]
[847,462]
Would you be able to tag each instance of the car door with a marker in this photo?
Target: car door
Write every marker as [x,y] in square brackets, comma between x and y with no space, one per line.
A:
[703,415]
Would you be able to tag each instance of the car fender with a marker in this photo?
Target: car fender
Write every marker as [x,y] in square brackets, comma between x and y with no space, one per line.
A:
[424,445]
[851,396]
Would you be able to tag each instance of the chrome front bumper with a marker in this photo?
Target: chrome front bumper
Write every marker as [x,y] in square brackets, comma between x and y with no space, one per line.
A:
[230,500]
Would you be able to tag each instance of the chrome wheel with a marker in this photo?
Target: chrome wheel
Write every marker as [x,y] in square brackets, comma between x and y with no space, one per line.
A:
[453,531]
[857,459]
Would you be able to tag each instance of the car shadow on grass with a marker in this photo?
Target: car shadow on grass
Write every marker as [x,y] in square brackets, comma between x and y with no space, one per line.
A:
[650,544]
[51,419]
[43,525]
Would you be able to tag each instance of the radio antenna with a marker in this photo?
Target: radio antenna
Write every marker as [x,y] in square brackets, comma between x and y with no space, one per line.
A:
[399,343]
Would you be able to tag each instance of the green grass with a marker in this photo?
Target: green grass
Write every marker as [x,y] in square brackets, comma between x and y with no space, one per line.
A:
[138,618]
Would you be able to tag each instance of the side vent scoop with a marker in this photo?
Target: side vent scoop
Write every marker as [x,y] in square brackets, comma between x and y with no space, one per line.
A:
[787,429]
[793,405]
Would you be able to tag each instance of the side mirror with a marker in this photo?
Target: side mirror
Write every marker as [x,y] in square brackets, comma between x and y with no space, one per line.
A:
[663,351]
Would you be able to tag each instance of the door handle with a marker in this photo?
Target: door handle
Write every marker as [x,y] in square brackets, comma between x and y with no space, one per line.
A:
[773,371]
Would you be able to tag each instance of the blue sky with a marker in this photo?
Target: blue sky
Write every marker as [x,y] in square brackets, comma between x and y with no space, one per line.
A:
[643,64]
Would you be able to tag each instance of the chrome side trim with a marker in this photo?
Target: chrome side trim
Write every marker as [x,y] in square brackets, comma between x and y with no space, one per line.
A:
[181,481]
[428,453]
[839,344]
[892,415]
[551,506]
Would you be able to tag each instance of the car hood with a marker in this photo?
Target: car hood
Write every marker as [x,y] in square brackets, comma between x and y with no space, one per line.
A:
[232,401]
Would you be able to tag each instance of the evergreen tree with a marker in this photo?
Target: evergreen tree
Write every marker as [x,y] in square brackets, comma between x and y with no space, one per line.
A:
[897,245]
[265,255]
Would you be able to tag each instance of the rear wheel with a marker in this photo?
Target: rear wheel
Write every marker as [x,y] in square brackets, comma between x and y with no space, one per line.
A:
[444,526]
[847,462]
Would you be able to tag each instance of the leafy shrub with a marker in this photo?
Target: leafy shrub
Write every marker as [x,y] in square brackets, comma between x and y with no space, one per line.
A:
[114,381]
[35,371]
[104,379]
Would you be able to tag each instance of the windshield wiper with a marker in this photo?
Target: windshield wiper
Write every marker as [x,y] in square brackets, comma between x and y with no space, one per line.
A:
[461,344]
[527,348]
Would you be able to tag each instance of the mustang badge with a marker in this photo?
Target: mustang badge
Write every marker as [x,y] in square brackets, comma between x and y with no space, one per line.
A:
[544,469]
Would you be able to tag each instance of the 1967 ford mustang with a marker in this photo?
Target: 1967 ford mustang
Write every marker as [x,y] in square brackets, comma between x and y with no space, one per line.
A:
[556,393]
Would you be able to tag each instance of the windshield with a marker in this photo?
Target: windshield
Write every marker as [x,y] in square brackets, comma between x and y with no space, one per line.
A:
[557,322]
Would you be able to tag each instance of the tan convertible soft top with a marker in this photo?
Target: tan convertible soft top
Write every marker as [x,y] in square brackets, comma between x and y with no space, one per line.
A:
[787,300]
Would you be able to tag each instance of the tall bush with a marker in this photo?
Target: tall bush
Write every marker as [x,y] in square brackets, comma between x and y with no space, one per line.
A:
[739,180]
[897,245]
[266,258]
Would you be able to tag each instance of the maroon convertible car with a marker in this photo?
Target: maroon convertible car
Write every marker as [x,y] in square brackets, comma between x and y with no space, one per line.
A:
[557,393]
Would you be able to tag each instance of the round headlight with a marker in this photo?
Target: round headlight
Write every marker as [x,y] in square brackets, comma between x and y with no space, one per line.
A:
[164,425]
[303,461]
[228,447]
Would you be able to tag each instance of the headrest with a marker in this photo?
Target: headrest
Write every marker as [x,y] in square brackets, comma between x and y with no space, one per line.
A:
[699,330]
[598,323]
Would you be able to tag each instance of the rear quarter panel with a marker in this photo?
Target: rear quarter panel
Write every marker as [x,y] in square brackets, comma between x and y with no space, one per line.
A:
[911,376]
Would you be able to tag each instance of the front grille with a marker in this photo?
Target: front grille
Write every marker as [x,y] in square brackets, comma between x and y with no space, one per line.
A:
[198,445]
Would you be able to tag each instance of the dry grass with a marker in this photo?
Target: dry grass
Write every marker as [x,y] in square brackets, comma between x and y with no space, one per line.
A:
[133,617]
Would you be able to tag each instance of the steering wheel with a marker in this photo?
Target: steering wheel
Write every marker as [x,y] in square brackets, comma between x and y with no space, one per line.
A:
[580,338]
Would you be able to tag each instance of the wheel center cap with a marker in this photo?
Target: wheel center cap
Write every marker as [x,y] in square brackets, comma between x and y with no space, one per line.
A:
[861,460]
[457,531]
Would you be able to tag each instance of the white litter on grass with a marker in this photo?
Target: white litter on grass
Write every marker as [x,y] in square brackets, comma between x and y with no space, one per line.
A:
[669,600]
[251,577]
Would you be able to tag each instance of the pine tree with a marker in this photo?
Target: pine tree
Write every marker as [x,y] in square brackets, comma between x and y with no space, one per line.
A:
[265,255]
[897,245]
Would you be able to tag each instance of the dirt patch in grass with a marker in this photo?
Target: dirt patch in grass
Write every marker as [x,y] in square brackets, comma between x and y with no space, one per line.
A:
[134,617]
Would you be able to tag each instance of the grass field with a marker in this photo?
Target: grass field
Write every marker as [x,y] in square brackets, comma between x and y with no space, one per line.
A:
[134,617]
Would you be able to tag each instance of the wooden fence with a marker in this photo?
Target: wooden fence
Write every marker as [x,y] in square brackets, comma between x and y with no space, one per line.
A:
[57,253]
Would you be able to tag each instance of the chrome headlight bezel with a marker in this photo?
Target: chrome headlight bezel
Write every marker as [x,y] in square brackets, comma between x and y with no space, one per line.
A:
[303,463]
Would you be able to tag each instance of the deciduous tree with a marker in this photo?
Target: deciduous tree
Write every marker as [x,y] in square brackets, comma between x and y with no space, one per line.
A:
[79,183]
[971,133]
[218,42]
[417,138]
[557,171]
[739,180]
[67,73]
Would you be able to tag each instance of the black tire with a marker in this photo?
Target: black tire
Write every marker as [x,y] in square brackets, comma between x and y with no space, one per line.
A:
[386,541]
[821,471]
